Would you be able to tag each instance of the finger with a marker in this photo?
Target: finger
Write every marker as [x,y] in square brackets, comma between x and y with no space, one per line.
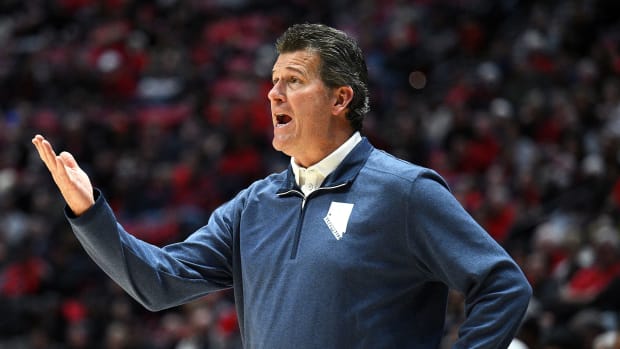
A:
[38,143]
[61,173]
[36,138]
[49,157]
[68,160]
[47,154]
[48,151]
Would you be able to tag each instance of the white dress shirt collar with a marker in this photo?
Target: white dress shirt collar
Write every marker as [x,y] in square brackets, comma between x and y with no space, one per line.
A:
[311,178]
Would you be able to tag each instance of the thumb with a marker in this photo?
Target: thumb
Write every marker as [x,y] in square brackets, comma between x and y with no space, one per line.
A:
[68,160]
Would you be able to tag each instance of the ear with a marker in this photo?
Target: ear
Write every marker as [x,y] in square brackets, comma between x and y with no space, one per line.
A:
[342,98]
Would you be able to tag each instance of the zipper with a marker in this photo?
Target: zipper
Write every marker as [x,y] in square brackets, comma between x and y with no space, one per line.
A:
[297,235]
[302,212]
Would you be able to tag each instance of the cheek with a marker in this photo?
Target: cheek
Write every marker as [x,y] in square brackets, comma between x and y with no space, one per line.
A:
[316,105]
[312,110]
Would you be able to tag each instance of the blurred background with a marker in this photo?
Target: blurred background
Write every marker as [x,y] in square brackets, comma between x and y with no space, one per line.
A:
[163,103]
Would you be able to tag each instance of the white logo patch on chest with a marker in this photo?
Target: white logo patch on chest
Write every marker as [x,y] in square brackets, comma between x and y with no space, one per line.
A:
[337,218]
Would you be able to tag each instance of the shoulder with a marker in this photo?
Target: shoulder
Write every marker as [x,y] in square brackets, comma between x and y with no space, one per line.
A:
[391,168]
[268,185]
[258,191]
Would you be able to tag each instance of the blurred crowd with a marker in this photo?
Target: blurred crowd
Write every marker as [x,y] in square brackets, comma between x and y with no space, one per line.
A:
[163,103]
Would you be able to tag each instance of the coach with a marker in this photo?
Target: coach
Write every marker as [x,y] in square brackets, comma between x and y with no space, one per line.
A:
[349,247]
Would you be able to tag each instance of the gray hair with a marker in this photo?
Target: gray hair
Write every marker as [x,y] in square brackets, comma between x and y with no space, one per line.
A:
[342,62]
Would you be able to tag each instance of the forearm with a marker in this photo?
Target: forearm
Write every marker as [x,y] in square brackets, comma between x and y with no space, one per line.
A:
[494,309]
[153,277]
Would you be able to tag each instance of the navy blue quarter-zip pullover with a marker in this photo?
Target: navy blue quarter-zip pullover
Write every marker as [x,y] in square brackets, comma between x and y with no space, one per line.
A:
[365,261]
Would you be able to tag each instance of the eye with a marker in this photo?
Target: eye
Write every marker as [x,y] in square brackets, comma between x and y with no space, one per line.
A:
[294,80]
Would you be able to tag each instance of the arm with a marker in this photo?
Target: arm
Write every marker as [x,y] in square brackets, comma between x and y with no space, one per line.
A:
[459,253]
[157,278]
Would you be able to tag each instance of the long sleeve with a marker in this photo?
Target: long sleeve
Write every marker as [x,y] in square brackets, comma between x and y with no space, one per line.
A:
[156,277]
[459,253]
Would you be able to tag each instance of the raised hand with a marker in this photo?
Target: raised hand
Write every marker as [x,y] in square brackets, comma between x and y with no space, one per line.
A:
[73,182]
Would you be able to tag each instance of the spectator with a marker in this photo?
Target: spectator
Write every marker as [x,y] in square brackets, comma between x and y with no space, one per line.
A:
[549,68]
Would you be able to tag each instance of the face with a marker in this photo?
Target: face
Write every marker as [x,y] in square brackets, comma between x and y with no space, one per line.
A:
[302,108]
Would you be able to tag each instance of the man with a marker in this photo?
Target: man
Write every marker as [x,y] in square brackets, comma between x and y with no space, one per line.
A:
[348,248]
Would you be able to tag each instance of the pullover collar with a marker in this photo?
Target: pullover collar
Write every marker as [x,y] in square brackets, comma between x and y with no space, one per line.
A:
[341,176]
[309,179]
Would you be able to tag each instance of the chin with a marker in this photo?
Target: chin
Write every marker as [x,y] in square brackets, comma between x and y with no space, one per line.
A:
[279,146]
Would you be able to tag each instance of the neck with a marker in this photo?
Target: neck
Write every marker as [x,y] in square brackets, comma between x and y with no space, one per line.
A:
[323,150]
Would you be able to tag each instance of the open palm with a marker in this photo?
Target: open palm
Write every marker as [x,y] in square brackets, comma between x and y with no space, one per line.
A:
[73,182]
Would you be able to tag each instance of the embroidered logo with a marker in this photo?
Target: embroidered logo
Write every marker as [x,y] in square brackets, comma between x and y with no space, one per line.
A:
[337,218]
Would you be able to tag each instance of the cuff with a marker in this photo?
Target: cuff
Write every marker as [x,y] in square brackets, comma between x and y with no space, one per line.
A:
[99,200]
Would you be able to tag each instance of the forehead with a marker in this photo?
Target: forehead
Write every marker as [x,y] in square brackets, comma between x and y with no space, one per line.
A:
[305,62]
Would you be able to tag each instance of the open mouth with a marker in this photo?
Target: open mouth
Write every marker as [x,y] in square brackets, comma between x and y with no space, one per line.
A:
[282,120]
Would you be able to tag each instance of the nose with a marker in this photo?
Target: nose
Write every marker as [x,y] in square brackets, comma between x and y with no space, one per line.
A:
[276,94]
